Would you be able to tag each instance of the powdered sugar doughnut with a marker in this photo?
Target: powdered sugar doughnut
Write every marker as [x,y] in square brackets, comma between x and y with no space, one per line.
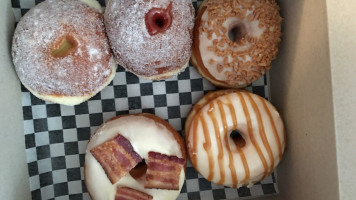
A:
[61,53]
[151,38]
[235,41]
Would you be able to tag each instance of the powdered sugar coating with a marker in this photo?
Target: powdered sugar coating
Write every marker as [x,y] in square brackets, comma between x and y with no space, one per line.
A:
[81,73]
[141,53]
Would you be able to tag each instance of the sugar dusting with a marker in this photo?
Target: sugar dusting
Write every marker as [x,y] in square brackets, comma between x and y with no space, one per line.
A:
[141,53]
[39,32]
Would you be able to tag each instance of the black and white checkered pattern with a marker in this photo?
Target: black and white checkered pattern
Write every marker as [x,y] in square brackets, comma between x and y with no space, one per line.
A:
[56,136]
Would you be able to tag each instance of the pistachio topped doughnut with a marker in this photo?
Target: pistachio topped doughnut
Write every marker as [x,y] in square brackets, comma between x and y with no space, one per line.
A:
[235,41]
[61,53]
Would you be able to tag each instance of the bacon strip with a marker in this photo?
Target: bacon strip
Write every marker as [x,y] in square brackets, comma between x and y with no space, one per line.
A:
[125,193]
[117,157]
[163,171]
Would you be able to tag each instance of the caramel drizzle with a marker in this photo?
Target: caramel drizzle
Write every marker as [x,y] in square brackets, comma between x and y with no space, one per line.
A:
[196,112]
[241,153]
[207,147]
[250,133]
[207,144]
[195,141]
[275,132]
[262,132]
[226,138]
[218,141]
[207,98]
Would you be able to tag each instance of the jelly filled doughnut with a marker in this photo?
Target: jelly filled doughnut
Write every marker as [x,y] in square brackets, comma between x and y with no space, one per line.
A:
[234,138]
[235,41]
[61,53]
[150,38]
[135,155]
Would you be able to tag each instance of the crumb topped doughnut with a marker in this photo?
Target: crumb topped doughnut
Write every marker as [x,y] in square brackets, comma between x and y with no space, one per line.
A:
[141,152]
[150,38]
[234,138]
[61,53]
[235,41]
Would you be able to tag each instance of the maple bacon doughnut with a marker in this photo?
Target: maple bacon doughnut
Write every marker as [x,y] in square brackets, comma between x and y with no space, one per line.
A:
[235,41]
[135,156]
[234,138]
[151,38]
[61,53]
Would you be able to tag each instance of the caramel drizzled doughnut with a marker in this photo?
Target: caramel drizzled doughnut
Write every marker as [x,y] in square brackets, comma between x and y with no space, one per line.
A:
[234,138]
[151,38]
[144,140]
[235,41]
[61,53]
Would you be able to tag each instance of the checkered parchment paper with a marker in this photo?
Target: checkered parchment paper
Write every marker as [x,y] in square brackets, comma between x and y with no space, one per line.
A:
[56,136]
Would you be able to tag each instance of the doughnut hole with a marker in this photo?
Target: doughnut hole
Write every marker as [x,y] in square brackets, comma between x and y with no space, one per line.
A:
[67,45]
[158,20]
[236,32]
[237,138]
[138,171]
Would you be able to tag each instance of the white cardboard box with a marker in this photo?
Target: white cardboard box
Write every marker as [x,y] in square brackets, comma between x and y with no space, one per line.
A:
[312,84]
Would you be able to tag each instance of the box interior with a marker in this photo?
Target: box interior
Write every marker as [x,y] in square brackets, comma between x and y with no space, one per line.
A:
[301,89]
[13,168]
[342,42]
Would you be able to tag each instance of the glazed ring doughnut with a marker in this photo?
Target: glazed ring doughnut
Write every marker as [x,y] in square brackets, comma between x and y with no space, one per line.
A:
[61,53]
[234,138]
[235,41]
[135,155]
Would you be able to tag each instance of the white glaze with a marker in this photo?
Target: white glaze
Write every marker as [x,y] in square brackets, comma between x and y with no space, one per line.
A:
[145,135]
[252,29]
[254,162]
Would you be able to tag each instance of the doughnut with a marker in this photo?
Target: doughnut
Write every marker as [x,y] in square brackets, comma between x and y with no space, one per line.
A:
[234,138]
[234,41]
[151,38]
[135,155]
[61,52]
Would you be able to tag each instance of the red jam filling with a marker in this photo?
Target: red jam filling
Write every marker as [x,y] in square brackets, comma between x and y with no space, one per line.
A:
[158,20]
